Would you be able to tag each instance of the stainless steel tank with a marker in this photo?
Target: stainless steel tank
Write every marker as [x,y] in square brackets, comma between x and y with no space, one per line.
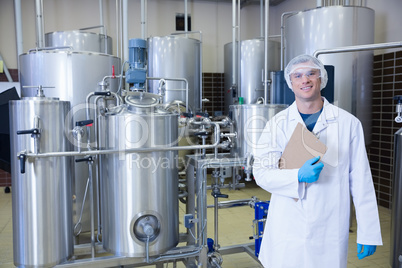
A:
[251,69]
[176,57]
[338,26]
[396,218]
[42,197]
[140,190]
[73,75]
[249,121]
[80,41]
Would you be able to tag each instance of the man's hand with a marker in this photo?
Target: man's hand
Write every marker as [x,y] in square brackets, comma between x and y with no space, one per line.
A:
[367,250]
[311,170]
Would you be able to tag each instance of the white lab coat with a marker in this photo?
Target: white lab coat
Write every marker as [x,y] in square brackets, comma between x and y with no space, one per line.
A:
[313,232]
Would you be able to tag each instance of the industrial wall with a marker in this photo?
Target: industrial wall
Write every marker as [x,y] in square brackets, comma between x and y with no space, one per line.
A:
[212,17]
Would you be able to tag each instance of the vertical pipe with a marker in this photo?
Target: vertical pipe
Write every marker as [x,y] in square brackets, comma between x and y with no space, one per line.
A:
[347,2]
[125,30]
[121,29]
[234,42]
[185,16]
[143,19]
[18,29]
[238,47]
[40,36]
[261,18]
[117,27]
[266,52]
[319,3]
[101,18]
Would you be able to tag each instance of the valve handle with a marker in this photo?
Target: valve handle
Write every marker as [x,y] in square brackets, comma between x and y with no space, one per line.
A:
[83,123]
[85,159]
[219,195]
[102,93]
[28,131]
[201,114]
[201,134]
[188,115]
[22,158]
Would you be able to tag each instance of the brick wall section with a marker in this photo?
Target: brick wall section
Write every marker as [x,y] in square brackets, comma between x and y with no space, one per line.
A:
[387,83]
[213,84]
[13,74]
[5,178]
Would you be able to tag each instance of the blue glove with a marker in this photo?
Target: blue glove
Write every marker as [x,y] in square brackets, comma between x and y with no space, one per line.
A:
[311,170]
[367,250]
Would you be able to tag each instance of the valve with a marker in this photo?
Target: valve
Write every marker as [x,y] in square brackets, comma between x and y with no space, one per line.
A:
[22,157]
[398,118]
[84,123]
[85,159]
[34,132]
[102,93]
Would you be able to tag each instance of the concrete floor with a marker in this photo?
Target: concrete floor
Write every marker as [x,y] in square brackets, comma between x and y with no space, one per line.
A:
[235,227]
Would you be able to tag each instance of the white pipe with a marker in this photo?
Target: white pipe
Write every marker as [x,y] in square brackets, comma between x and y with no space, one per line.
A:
[101,18]
[117,28]
[319,3]
[261,18]
[146,20]
[40,36]
[18,29]
[121,28]
[125,30]
[266,52]
[234,63]
[143,19]
[238,48]
[283,36]
[185,16]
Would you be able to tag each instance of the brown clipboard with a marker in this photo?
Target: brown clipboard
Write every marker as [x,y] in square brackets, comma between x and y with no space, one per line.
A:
[302,146]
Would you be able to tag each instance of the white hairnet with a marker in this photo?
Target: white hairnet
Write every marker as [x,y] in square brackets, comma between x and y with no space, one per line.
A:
[309,61]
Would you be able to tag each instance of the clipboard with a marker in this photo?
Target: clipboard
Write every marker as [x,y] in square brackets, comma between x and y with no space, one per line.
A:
[302,146]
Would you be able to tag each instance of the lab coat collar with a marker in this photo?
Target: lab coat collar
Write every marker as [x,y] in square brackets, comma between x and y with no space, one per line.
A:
[327,116]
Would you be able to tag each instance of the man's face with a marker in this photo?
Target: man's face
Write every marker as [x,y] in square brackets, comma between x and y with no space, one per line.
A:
[306,82]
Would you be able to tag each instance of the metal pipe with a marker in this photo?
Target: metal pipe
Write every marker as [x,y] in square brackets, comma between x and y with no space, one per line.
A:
[357,48]
[239,46]
[40,35]
[125,29]
[319,3]
[234,69]
[143,19]
[266,52]
[18,30]
[185,16]
[91,205]
[133,150]
[261,18]
[174,79]
[117,27]
[101,15]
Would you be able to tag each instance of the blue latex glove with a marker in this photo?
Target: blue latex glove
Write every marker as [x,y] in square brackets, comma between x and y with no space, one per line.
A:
[367,250]
[311,170]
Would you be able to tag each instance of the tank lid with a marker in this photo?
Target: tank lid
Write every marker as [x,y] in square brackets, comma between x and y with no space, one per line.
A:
[142,99]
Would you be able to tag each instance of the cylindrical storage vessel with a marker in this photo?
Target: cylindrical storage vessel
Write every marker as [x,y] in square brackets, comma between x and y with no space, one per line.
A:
[338,26]
[80,41]
[176,57]
[73,75]
[140,190]
[252,57]
[42,197]
[249,121]
[396,219]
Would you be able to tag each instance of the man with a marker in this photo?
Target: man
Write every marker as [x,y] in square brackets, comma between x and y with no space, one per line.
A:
[308,218]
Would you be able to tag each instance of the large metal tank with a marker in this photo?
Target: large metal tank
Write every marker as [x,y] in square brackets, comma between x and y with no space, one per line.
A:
[251,69]
[73,75]
[396,219]
[249,121]
[176,57]
[80,41]
[42,197]
[338,26]
[140,190]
